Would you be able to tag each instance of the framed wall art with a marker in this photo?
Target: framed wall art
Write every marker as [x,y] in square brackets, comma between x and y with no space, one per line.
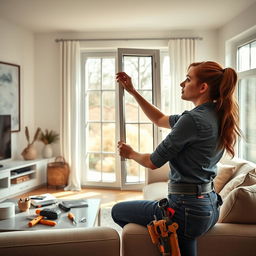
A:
[10,93]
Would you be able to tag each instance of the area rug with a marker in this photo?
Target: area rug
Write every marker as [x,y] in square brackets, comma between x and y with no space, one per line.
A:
[107,221]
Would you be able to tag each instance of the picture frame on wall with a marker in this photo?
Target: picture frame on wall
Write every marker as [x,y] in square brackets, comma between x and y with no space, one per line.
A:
[10,93]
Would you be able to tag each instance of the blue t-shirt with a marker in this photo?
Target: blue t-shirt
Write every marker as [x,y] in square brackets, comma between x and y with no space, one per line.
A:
[192,146]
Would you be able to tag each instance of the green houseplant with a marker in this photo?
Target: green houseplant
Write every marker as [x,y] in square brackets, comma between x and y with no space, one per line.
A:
[48,137]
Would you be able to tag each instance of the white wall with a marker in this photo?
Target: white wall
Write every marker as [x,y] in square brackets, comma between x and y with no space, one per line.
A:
[241,27]
[17,47]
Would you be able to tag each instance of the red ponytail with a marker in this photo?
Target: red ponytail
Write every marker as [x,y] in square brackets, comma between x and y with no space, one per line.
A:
[222,84]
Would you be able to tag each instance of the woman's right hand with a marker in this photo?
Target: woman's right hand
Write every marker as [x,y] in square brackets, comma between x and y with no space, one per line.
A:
[125,81]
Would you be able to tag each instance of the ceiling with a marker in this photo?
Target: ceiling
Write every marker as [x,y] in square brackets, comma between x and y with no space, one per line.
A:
[42,16]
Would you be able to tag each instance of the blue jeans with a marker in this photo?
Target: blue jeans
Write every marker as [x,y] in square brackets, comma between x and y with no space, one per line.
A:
[194,215]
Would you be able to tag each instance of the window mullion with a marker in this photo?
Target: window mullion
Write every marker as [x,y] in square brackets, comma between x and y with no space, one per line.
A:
[101,119]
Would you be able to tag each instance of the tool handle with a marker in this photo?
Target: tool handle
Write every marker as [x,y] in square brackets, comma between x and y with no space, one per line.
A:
[47,222]
[71,216]
[34,221]
[38,211]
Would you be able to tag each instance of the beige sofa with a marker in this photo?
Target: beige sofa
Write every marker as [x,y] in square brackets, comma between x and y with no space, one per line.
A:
[95,241]
[235,232]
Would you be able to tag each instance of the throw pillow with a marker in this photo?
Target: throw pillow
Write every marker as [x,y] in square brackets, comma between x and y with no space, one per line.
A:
[224,174]
[245,179]
[240,206]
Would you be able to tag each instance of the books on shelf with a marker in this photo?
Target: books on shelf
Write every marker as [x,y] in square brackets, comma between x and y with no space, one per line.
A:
[43,200]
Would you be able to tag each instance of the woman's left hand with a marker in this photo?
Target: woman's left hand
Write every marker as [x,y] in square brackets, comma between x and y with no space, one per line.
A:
[125,150]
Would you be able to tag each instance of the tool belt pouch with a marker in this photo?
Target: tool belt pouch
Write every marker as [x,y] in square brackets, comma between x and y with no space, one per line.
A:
[51,214]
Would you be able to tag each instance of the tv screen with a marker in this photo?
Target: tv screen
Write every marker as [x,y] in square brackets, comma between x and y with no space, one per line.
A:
[5,137]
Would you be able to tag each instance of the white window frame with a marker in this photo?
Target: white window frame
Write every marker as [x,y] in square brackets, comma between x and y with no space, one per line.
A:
[156,98]
[119,183]
[233,47]
[85,55]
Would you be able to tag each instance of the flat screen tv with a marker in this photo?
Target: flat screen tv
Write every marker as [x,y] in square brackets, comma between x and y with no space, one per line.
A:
[5,137]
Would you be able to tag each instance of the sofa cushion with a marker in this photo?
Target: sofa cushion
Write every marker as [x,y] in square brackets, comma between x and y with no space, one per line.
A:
[224,174]
[241,165]
[239,206]
[155,191]
[244,179]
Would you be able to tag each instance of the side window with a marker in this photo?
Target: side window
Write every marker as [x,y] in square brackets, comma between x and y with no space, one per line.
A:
[246,66]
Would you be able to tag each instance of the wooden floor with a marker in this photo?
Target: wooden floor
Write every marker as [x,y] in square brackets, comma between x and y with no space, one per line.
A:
[108,197]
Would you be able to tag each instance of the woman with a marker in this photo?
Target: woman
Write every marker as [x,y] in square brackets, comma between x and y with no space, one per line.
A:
[193,148]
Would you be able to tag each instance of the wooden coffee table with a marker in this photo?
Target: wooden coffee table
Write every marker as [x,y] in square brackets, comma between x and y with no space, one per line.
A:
[21,219]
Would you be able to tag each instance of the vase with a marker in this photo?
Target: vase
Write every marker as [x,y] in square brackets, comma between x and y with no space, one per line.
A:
[29,153]
[47,151]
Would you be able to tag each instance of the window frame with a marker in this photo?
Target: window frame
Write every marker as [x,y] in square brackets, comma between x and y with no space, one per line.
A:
[84,56]
[157,131]
[241,75]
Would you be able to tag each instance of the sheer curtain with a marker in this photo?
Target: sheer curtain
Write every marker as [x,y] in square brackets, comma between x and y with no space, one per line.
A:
[70,110]
[182,53]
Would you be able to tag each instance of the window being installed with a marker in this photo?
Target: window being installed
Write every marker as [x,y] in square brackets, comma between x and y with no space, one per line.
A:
[102,107]
[246,66]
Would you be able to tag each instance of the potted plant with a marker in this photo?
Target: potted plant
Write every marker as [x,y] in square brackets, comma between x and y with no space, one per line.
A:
[29,153]
[48,137]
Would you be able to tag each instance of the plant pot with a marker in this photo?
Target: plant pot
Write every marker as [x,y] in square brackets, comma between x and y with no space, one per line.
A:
[47,151]
[29,153]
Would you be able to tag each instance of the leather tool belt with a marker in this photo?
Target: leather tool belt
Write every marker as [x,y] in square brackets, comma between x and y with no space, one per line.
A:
[190,189]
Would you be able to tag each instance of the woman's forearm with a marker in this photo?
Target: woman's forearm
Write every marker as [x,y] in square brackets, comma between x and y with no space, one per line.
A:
[142,159]
[152,112]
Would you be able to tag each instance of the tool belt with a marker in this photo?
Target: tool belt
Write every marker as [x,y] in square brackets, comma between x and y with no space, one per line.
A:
[190,189]
[163,232]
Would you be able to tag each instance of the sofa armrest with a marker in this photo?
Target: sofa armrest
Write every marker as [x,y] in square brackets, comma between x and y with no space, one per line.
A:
[158,175]
[95,241]
[228,239]
[222,240]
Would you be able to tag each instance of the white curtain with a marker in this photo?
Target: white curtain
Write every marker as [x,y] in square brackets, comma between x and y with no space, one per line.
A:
[70,110]
[182,53]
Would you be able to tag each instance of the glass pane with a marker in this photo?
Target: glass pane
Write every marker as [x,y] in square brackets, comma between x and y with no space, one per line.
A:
[145,72]
[131,68]
[244,58]
[253,54]
[108,137]
[94,170]
[108,106]
[148,96]
[93,73]
[146,138]
[94,137]
[108,168]
[108,73]
[247,103]
[131,108]
[133,171]
[132,131]
[93,101]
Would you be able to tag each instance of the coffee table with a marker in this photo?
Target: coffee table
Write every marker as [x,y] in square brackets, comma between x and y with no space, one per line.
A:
[21,219]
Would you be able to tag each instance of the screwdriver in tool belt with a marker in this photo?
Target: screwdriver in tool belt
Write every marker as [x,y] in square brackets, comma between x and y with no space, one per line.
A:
[72,217]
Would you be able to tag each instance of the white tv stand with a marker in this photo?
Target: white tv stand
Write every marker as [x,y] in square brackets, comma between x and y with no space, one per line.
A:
[20,176]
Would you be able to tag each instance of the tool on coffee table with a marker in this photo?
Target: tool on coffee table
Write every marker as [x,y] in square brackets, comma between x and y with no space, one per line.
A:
[49,214]
[72,218]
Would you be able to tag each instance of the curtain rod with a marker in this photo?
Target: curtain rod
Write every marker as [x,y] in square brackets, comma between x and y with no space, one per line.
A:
[127,39]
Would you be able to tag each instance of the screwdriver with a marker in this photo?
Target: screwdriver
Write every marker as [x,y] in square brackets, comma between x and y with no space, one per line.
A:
[72,217]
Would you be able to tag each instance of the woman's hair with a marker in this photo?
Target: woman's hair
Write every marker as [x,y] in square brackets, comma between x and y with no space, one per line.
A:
[222,83]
